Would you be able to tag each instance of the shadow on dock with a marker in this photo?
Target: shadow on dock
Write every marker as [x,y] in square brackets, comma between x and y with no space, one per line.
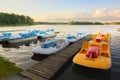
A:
[38,57]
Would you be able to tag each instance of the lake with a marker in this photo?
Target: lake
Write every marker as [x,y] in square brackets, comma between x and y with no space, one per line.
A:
[22,55]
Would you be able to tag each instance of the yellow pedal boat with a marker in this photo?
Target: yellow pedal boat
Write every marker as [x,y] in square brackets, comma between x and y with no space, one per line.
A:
[94,55]
[101,37]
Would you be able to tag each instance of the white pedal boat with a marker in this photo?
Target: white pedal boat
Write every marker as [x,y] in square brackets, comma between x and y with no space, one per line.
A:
[51,47]
[73,38]
[47,33]
[17,38]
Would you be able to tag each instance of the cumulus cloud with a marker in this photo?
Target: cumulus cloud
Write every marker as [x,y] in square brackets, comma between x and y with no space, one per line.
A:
[116,13]
[99,15]
[106,15]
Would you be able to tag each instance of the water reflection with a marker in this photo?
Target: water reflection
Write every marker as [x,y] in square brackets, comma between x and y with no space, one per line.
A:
[77,72]
[17,45]
[20,53]
[93,74]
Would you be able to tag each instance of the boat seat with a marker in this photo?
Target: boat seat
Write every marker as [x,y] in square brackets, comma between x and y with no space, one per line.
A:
[94,37]
[105,54]
[61,41]
[84,47]
[57,46]
[92,52]
[99,33]
[93,43]
[48,44]
[108,35]
[106,39]
[105,50]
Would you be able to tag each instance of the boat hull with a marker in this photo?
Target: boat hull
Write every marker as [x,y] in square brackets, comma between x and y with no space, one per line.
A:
[100,57]
[48,51]
[47,36]
[22,40]
[99,63]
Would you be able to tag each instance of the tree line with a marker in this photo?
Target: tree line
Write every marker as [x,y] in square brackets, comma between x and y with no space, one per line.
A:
[15,19]
[77,23]
[84,23]
[50,23]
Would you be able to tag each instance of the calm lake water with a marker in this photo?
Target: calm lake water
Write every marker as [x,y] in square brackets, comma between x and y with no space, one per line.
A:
[22,55]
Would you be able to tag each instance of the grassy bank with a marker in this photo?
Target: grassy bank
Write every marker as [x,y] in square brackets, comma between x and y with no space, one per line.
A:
[7,68]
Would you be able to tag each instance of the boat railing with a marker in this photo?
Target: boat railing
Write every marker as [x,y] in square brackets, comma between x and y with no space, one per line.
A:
[84,47]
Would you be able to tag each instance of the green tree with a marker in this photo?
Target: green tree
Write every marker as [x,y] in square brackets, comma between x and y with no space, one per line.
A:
[14,19]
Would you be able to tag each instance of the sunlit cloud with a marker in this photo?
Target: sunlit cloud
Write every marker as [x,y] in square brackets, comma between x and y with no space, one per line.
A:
[117,13]
[99,15]
[106,15]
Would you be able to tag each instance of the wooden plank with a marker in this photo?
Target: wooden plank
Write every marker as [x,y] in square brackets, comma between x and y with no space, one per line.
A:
[44,69]
[32,76]
[55,67]
[40,73]
[55,58]
[68,52]
[46,66]
[51,58]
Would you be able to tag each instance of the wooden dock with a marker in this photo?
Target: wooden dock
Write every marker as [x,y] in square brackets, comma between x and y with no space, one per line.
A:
[47,68]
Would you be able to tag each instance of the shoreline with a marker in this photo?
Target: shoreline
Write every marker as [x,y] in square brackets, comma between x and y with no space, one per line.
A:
[50,23]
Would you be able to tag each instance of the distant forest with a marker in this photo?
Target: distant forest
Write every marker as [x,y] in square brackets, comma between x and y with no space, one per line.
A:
[84,23]
[77,23]
[7,19]
[50,23]
[15,19]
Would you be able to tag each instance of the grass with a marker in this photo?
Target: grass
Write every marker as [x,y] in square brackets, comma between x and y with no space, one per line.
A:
[7,68]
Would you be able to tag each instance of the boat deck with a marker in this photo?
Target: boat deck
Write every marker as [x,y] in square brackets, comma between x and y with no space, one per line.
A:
[48,67]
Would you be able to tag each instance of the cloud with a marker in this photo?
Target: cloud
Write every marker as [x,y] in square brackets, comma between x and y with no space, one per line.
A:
[117,13]
[106,15]
[99,15]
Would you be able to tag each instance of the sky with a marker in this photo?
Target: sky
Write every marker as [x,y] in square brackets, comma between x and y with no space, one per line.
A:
[64,10]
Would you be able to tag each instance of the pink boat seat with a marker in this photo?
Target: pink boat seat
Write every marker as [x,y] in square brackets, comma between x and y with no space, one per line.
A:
[92,52]
[98,39]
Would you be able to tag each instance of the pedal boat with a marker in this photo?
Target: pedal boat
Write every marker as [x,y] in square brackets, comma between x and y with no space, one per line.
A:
[51,47]
[73,38]
[101,37]
[94,55]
